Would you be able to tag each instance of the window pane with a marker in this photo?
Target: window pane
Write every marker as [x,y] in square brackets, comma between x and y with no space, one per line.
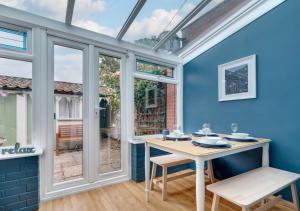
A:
[156,19]
[15,102]
[155,69]
[206,20]
[13,39]
[110,114]
[68,98]
[105,17]
[155,106]
[54,9]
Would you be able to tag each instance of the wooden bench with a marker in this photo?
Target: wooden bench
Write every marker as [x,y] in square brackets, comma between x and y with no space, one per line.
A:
[166,161]
[256,186]
[68,133]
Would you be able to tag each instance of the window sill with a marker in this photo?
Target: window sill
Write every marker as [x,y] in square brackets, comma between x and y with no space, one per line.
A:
[7,156]
[141,139]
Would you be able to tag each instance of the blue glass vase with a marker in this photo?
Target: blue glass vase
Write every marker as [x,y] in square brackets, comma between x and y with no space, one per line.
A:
[165,132]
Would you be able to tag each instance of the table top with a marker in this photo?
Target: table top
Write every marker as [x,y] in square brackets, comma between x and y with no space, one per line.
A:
[187,147]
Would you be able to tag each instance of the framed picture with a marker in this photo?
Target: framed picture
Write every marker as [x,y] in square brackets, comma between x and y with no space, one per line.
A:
[237,79]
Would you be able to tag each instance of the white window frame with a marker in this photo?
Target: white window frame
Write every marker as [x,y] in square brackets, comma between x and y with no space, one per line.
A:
[123,171]
[176,80]
[8,53]
[50,185]
[41,28]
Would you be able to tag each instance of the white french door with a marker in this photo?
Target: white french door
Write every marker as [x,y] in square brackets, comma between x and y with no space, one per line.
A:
[68,137]
[86,145]
[111,146]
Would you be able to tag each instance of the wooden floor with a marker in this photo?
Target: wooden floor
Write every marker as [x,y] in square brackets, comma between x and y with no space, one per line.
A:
[130,196]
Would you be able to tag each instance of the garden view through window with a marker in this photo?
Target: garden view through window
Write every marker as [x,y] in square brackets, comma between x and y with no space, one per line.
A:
[68,107]
[155,69]
[154,106]
[15,102]
[110,114]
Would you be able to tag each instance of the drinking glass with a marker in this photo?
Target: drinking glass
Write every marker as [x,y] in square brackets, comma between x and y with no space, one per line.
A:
[206,128]
[234,127]
[177,128]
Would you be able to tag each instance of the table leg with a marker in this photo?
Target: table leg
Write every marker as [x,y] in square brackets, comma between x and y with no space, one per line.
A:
[147,171]
[200,185]
[265,155]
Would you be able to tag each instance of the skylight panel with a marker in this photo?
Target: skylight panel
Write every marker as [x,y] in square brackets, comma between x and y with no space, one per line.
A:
[206,20]
[102,16]
[156,19]
[54,9]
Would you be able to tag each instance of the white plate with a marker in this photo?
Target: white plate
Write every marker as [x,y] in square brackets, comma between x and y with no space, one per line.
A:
[201,133]
[178,137]
[234,137]
[218,143]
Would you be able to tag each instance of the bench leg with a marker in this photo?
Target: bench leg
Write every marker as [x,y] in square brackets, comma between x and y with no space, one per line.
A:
[210,171]
[246,209]
[153,175]
[295,196]
[215,203]
[164,182]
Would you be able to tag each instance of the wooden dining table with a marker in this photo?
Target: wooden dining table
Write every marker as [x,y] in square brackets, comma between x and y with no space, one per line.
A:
[200,155]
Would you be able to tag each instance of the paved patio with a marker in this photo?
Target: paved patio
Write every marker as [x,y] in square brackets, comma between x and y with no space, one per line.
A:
[68,165]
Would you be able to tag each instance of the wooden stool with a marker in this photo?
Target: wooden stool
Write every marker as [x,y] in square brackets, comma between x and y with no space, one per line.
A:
[166,161]
[256,186]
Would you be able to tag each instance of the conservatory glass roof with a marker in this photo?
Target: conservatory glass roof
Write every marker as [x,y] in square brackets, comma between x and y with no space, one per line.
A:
[167,25]
[54,9]
[154,20]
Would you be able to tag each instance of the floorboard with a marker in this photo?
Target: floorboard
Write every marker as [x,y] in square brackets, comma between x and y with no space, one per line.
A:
[130,196]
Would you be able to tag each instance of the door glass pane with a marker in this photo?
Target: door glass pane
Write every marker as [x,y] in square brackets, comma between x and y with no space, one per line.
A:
[110,114]
[15,102]
[154,106]
[68,123]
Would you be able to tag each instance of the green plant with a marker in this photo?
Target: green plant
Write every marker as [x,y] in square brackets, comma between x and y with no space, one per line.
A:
[110,80]
[140,87]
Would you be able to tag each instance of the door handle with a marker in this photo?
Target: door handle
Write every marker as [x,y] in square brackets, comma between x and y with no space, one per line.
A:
[98,109]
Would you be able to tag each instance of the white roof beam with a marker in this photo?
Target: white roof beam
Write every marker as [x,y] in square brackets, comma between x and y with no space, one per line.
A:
[137,8]
[69,14]
[182,23]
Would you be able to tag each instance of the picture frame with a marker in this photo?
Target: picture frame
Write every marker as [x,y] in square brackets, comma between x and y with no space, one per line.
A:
[237,79]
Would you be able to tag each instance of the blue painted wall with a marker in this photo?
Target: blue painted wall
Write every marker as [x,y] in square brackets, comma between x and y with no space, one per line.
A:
[19,184]
[275,114]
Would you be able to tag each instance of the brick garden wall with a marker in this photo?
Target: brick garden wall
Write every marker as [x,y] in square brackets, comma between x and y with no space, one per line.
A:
[138,150]
[171,106]
[19,184]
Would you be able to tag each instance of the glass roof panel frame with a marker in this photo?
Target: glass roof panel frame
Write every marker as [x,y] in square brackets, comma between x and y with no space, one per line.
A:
[133,14]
